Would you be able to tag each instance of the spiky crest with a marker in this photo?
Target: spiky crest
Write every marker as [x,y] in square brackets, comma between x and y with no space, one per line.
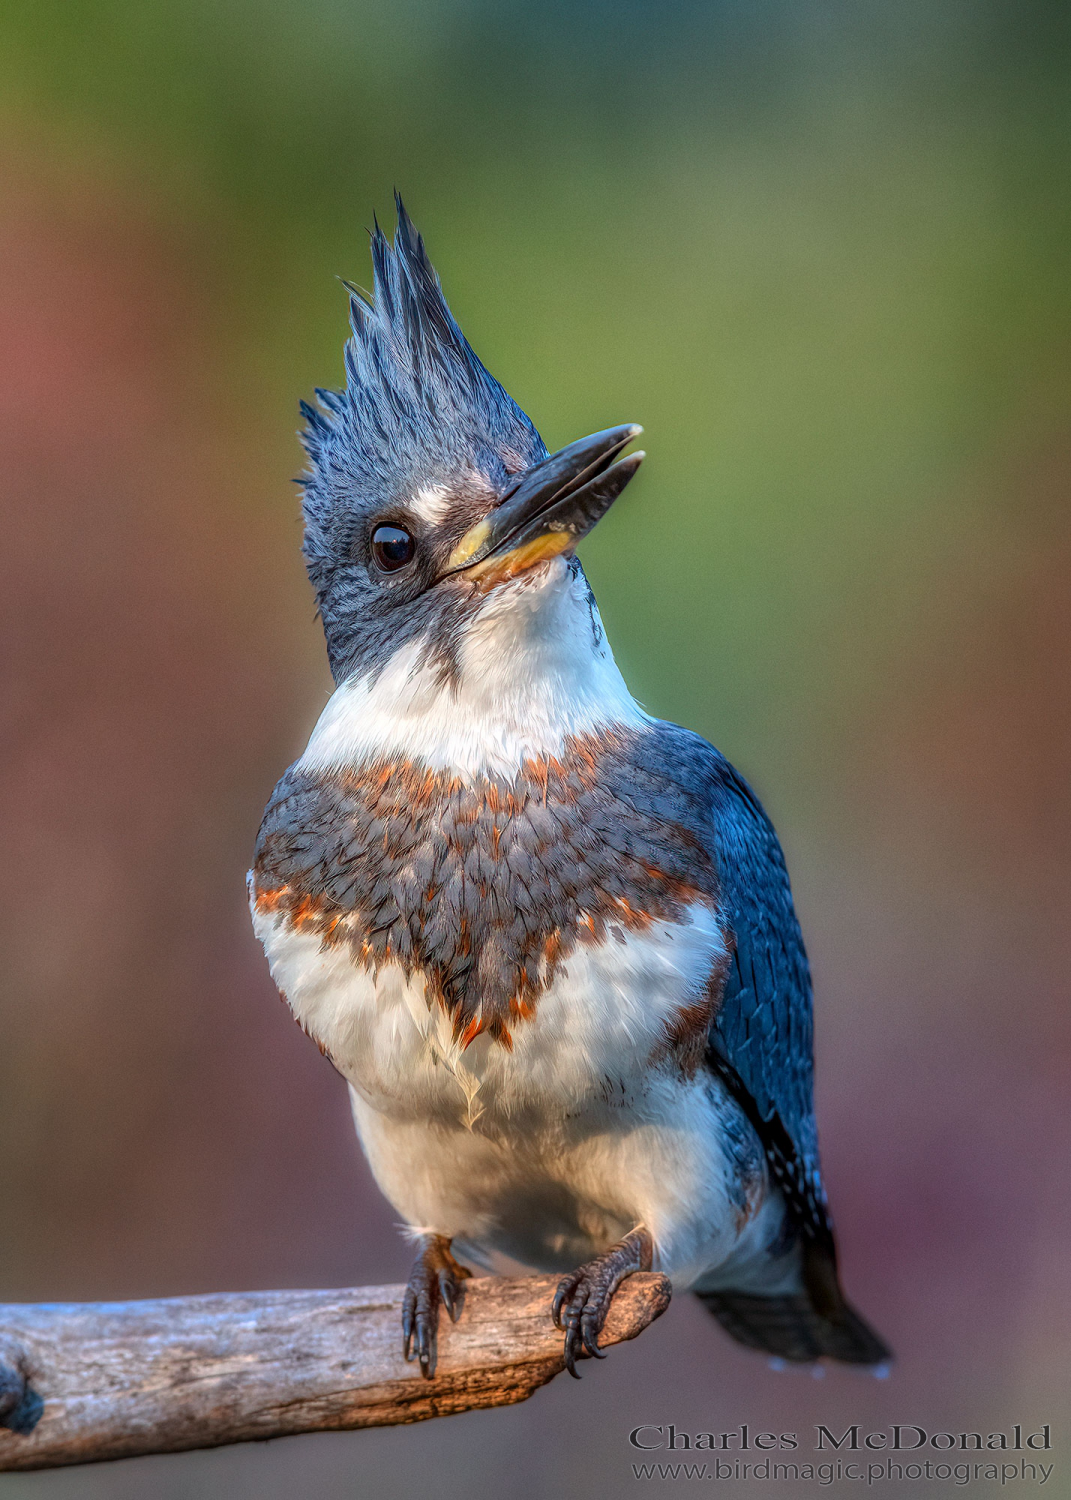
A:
[419,407]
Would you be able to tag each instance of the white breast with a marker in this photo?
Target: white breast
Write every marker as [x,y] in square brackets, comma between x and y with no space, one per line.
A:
[551,1151]
[594,1030]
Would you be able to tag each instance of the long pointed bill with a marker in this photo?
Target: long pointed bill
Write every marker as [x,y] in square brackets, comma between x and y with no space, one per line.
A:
[549,509]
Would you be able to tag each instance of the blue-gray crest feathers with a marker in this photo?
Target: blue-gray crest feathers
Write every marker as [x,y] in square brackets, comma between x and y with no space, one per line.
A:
[418,407]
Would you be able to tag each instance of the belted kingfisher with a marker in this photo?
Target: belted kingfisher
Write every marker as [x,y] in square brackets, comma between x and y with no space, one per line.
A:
[547,939]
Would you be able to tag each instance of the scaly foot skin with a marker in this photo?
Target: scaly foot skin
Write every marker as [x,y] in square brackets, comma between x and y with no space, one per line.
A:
[583,1297]
[436,1277]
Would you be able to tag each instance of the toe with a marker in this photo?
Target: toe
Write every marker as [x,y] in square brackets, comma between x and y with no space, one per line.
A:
[420,1306]
[566,1287]
[572,1322]
[591,1322]
[448,1294]
[425,1341]
[408,1322]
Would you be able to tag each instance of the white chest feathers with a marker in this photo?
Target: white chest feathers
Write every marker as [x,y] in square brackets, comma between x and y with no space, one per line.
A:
[612,1015]
[534,669]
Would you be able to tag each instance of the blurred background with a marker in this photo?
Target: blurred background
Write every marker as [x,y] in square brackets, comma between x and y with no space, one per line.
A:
[823,253]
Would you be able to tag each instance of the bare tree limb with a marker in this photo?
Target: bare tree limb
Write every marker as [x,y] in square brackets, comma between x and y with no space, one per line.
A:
[79,1383]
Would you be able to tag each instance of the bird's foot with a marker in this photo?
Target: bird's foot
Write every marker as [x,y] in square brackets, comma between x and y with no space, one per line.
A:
[436,1277]
[583,1297]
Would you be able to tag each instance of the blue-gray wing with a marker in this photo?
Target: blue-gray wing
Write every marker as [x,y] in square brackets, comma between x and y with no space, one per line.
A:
[760,1044]
[761,1039]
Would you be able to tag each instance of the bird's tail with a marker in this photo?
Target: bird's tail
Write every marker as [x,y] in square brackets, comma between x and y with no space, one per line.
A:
[805,1326]
[790,1328]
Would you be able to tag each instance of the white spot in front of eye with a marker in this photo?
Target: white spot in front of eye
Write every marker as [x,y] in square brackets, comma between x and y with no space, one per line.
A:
[431,503]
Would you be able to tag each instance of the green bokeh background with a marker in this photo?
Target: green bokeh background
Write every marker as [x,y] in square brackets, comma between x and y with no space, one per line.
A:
[822,252]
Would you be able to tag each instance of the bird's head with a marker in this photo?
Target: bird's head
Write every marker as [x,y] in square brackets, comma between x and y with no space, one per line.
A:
[431,503]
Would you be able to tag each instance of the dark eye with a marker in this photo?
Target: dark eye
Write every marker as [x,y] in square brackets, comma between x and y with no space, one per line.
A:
[392,547]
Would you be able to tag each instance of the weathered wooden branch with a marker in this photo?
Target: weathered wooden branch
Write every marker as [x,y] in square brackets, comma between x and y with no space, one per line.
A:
[79,1383]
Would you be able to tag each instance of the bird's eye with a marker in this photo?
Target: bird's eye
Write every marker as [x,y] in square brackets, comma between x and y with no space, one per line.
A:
[392,547]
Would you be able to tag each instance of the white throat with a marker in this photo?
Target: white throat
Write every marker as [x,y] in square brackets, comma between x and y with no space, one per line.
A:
[535,669]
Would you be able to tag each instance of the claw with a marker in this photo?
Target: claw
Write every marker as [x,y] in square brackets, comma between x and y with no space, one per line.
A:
[446,1294]
[408,1308]
[571,1329]
[435,1279]
[590,1336]
[583,1298]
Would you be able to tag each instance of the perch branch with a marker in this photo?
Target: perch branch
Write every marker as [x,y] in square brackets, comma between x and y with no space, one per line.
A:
[79,1383]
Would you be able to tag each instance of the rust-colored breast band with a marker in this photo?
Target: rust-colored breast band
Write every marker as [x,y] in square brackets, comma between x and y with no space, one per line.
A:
[485,888]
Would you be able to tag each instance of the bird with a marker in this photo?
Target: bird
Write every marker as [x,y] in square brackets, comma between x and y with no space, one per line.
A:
[547,939]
